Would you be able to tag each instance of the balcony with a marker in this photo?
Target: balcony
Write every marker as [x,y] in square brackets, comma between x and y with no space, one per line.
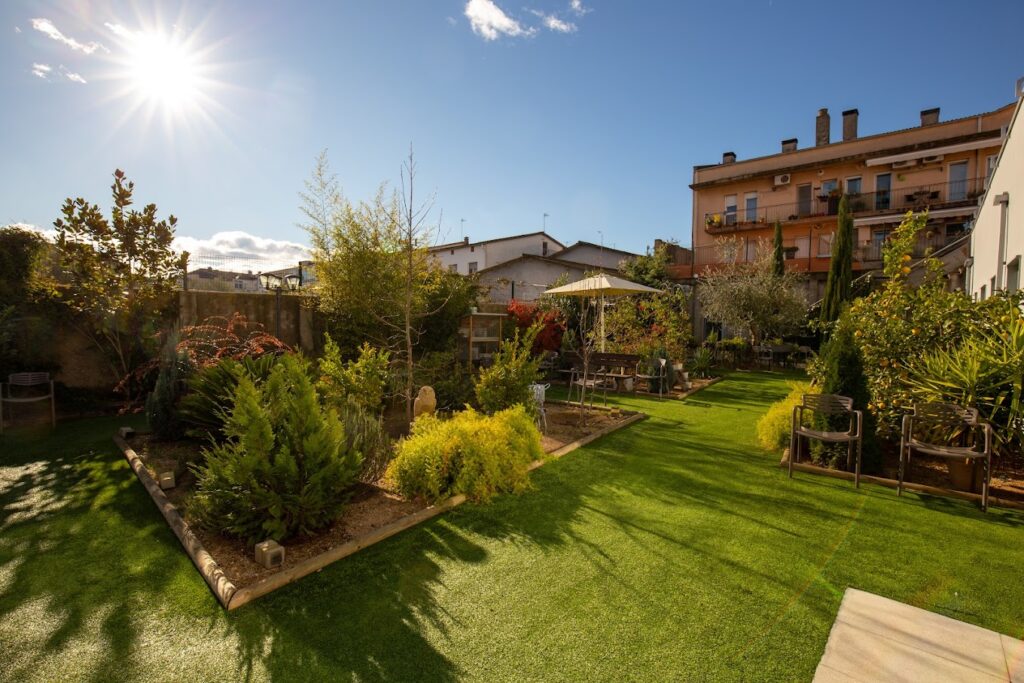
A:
[864,204]
[808,254]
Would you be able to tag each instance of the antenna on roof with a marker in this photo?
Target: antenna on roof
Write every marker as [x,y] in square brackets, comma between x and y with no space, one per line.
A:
[462,228]
[545,222]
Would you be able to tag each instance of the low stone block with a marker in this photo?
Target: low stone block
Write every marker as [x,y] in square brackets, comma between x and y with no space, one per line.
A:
[126,432]
[269,554]
[166,480]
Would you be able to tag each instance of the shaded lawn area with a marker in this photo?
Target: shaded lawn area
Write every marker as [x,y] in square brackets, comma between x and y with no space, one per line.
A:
[674,549]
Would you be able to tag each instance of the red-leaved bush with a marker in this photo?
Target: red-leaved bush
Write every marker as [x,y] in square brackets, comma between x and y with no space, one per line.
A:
[552,326]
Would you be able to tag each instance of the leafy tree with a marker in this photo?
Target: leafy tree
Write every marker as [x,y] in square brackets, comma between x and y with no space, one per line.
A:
[649,269]
[651,323]
[117,275]
[507,381]
[373,265]
[22,253]
[840,271]
[750,299]
[778,260]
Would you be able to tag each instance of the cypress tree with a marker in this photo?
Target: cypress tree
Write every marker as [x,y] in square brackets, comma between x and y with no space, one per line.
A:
[778,264]
[840,272]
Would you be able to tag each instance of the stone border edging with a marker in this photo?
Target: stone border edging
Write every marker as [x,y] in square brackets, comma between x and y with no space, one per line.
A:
[910,486]
[211,572]
[231,597]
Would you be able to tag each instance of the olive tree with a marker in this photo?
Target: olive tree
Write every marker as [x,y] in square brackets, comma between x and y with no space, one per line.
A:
[751,298]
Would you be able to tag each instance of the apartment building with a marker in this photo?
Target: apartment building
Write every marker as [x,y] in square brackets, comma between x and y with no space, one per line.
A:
[997,241]
[470,257]
[941,166]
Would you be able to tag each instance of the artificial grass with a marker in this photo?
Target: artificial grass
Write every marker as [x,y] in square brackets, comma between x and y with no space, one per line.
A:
[672,550]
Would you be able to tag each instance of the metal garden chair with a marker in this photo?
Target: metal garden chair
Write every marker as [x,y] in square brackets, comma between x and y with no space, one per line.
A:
[827,406]
[27,379]
[659,376]
[539,397]
[953,423]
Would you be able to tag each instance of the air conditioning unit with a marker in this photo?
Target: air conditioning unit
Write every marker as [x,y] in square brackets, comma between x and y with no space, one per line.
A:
[782,179]
[934,159]
[904,164]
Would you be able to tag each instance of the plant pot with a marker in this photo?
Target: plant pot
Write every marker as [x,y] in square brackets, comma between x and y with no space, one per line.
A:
[963,476]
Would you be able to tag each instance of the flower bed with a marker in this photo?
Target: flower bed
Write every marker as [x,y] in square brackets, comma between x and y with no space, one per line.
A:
[373,512]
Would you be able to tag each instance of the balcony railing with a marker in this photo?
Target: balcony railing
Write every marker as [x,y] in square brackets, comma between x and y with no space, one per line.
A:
[810,253]
[897,200]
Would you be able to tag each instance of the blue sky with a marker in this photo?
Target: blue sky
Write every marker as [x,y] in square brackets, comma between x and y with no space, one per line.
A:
[594,112]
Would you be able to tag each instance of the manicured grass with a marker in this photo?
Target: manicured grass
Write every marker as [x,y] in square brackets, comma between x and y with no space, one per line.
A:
[672,550]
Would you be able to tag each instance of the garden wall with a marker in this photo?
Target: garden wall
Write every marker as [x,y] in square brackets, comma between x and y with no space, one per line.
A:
[297,316]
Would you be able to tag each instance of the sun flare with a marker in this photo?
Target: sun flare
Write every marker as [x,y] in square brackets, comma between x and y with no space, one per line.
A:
[163,71]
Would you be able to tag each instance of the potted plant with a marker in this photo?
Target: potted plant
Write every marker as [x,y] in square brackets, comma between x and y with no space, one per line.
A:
[713,220]
[790,252]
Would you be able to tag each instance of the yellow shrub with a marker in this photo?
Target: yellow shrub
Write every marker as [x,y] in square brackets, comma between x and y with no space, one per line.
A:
[474,454]
[773,429]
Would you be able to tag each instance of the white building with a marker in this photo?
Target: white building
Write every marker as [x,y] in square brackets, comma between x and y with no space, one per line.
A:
[594,255]
[525,278]
[997,241]
[470,257]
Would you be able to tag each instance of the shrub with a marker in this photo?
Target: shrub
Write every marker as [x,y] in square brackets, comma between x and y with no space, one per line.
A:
[700,364]
[285,466]
[775,427]
[472,454]
[507,382]
[364,432]
[362,380]
[451,380]
[551,322]
[839,369]
[162,402]
[203,409]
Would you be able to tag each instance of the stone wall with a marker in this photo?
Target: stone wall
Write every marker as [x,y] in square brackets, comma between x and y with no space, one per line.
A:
[290,317]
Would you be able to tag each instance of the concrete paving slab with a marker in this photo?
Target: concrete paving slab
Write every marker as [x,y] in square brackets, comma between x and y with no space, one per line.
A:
[877,639]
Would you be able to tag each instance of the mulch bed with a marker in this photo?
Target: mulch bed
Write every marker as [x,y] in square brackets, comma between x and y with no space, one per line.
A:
[1007,481]
[370,507]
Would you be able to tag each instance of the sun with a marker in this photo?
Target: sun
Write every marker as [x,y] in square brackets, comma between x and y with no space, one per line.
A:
[163,71]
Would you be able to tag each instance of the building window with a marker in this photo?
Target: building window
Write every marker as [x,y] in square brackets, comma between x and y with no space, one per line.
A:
[239,284]
[544,248]
[730,209]
[829,186]
[453,252]
[472,248]
[454,267]
[751,207]
[981,296]
[1013,275]
[958,181]
[803,200]
[472,267]
[825,245]
[990,168]
[883,186]
[992,285]
[853,185]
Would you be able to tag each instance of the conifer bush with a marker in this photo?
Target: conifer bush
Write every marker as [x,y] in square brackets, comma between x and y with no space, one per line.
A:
[285,466]
[473,454]
[775,427]
[507,381]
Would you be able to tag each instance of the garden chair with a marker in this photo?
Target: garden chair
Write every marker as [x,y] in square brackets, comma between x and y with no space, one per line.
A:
[826,406]
[660,374]
[957,423]
[539,397]
[580,380]
[28,379]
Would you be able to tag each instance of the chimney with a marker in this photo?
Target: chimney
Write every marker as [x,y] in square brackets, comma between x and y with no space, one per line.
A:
[929,116]
[728,157]
[789,145]
[1019,89]
[850,124]
[465,240]
[822,126]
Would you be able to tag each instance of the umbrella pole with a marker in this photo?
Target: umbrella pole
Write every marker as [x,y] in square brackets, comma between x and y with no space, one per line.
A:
[602,322]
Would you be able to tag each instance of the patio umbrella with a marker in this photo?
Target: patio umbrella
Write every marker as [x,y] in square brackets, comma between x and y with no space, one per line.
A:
[602,285]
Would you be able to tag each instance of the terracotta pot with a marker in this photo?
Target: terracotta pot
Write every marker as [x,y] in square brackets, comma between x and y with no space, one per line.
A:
[964,476]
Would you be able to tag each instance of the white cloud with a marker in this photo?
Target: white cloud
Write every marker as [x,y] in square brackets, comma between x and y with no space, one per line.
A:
[46,27]
[41,70]
[71,75]
[490,22]
[553,23]
[240,251]
[577,7]
[119,30]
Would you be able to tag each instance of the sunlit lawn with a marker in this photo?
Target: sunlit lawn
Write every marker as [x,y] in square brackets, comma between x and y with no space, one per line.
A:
[673,550]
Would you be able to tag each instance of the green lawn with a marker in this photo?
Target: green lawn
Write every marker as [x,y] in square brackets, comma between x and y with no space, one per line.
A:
[673,550]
